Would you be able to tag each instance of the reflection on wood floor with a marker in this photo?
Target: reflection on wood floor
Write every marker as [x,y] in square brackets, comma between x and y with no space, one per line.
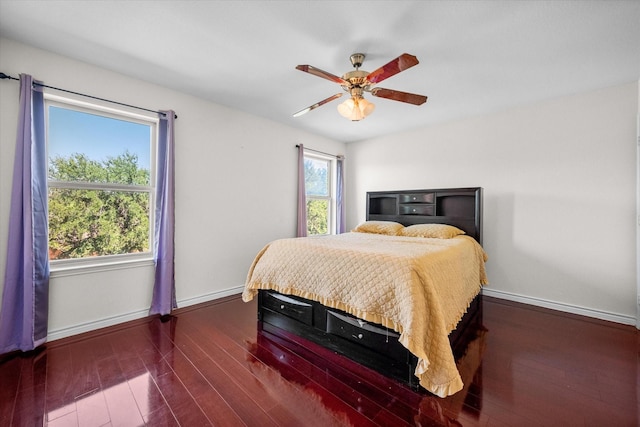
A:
[211,365]
[287,359]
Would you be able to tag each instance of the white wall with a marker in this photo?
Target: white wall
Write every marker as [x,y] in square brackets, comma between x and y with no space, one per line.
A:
[235,191]
[235,179]
[559,194]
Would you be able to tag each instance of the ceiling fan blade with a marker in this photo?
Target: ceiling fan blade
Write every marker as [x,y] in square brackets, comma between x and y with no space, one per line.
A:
[396,95]
[392,68]
[318,104]
[320,73]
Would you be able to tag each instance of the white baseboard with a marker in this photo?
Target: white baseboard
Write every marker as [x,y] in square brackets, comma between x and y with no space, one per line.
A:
[210,296]
[69,331]
[567,308]
[114,320]
[126,317]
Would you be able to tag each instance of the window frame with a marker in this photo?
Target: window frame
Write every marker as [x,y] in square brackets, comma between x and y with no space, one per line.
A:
[106,262]
[332,176]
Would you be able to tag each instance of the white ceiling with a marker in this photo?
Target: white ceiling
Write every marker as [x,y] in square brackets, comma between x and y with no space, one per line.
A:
[475,56]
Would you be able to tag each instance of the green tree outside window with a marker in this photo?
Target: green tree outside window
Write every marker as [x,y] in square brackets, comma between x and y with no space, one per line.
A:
[90,222]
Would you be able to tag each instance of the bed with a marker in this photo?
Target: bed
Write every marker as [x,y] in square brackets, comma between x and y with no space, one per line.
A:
[379,295]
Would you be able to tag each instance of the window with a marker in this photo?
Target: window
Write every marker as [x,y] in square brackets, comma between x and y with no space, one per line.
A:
[101,183]
[320,191]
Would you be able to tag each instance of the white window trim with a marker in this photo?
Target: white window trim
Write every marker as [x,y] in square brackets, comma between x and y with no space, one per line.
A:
[62,268]
[66,267]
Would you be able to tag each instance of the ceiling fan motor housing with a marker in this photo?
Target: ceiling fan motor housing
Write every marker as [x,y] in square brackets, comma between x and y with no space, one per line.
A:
[357,78]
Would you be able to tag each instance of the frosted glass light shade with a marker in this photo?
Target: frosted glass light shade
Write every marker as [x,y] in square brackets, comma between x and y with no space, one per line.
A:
[356,109]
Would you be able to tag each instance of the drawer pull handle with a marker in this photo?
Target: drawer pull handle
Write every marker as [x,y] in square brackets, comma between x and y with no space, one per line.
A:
[282,307]
[359,336]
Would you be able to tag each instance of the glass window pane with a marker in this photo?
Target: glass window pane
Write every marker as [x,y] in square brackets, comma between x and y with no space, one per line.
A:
[85,223]
[93,148]
[316,177]
[317,217]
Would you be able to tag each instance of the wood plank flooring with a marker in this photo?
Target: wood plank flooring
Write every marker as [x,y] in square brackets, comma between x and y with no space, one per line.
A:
[210,365]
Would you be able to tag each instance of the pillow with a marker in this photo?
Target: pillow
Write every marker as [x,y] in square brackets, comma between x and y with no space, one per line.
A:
[438,231]
[389,228]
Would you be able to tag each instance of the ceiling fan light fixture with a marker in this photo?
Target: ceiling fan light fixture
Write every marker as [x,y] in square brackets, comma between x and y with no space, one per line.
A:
[357,82]
[356,108]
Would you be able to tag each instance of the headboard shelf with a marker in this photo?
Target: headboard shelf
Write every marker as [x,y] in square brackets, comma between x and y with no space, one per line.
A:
[460,207]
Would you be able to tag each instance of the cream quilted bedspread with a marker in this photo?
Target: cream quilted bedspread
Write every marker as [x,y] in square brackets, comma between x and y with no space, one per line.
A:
[419,287]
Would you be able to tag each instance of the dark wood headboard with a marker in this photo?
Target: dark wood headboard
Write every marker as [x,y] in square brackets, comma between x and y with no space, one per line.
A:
[460,207]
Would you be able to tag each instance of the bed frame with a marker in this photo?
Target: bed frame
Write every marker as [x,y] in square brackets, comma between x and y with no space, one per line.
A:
[373,345]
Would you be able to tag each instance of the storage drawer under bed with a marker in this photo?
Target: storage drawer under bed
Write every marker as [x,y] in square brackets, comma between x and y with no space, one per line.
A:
[288,306]
[375,337]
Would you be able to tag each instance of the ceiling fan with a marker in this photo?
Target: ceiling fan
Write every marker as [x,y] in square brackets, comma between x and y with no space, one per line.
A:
[357,82]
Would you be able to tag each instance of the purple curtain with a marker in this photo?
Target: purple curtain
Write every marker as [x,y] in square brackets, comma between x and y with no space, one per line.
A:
[25,295]
[164,290]
[302,195]
[341,216]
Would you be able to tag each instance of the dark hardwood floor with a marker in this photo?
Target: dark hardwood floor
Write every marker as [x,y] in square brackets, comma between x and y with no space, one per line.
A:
[209,365]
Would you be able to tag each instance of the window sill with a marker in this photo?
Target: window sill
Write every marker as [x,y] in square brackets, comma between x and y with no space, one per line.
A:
[62,270]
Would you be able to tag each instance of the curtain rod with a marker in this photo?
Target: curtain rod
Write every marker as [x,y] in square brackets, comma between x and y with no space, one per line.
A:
[6,76]
[320,152]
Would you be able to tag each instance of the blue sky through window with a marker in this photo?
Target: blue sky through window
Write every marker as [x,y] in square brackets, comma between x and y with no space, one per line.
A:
[98,137]
[316,177]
